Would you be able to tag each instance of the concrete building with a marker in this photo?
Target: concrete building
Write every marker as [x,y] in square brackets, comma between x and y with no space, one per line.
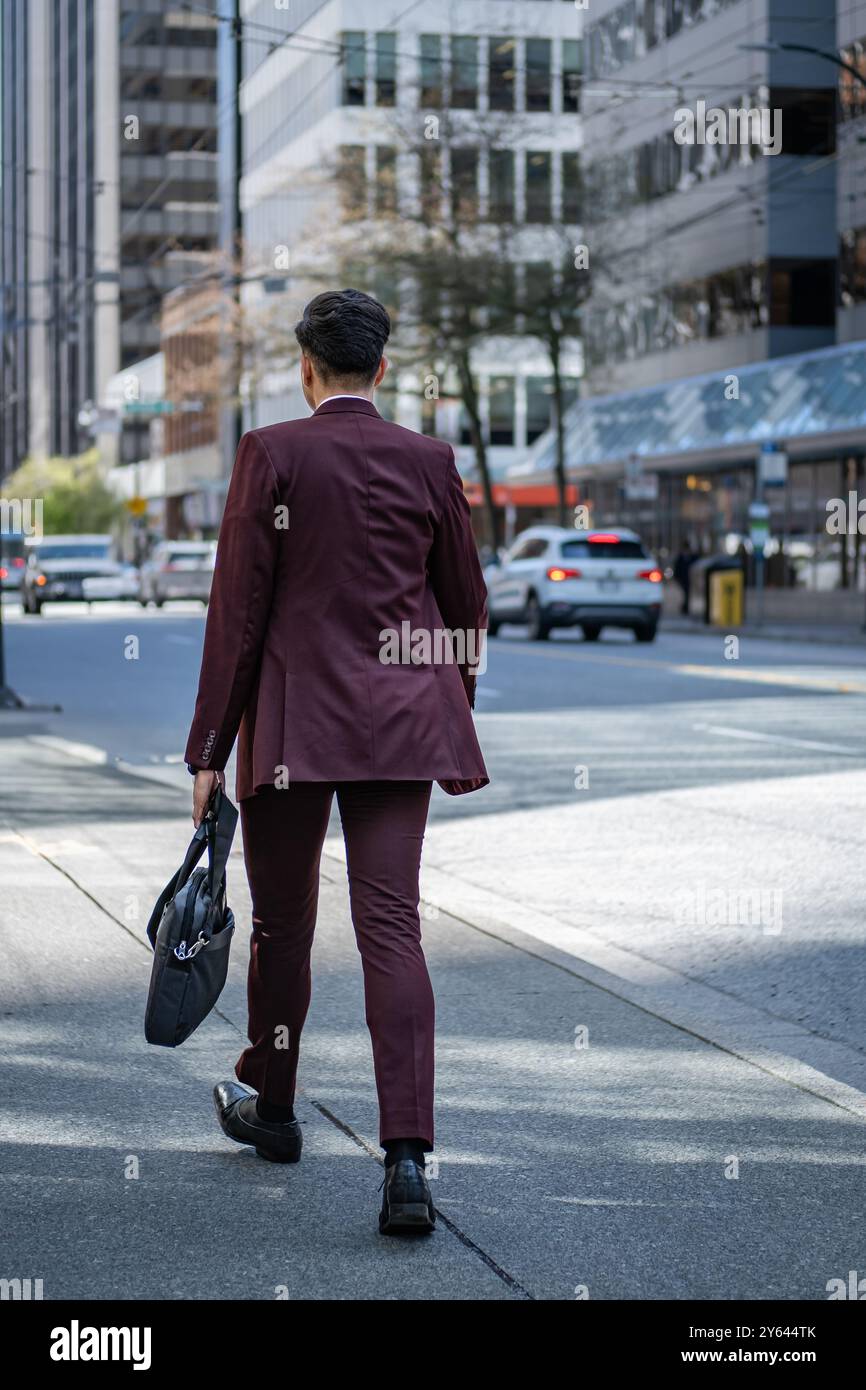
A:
[711,252]
[109,186]
[324,120]
[725,328]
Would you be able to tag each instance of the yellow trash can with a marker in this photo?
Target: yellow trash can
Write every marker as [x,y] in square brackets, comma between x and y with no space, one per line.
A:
[726,598]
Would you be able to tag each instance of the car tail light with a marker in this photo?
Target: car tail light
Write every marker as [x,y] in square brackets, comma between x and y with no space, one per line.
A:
[556,572]
[4,573]
[18,563]
[170,567]
[654,576]
[603,538]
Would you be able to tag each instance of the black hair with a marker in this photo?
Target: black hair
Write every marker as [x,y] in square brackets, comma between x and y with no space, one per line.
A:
[344,332]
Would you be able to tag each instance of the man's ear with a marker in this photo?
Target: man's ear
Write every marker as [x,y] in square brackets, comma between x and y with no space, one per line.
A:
[306,370]
[380,371]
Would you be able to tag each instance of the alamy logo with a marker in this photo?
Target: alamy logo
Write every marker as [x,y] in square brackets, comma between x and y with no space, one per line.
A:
[730,907]
[440,646]
[23,1289]
[77,1343]
[21,516]
[738,125]
[854,1288]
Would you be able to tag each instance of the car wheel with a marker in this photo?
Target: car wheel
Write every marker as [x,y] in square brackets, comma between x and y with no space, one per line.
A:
[591,632]
[158,602]
[646,634]
[539,627]
[493,626]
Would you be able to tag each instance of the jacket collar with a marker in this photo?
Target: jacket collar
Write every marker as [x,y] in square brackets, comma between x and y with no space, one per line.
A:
[347,403]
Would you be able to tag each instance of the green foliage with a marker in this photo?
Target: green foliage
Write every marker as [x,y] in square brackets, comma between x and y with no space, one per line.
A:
[75,496]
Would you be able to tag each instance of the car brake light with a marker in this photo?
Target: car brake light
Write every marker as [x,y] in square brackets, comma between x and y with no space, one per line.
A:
[654,576]
[4,573]
[602,538]
[556,573]
[18,563]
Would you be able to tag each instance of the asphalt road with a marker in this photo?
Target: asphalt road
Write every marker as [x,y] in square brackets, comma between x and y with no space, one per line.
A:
[677,713]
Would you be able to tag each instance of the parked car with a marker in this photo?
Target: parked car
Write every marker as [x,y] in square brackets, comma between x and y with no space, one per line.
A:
[67,569]
[556,577]
[176,570]
[12,559]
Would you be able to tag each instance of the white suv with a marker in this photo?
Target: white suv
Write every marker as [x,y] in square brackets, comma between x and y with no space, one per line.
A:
[556,577]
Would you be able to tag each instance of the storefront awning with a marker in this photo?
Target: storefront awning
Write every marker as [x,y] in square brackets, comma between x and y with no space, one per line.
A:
[812,403]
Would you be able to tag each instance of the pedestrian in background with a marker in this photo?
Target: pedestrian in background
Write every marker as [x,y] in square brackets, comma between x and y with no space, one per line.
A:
[682,573]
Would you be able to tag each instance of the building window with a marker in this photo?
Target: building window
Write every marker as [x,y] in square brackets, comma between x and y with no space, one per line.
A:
[852,94]
[808,119]
[636,26]
[431,183]
[538,74]
[538,185]
[572,201]
[502,299]
[352,181]
[464,184]
[431,70]
[464,72]
[502,185]
[386,69]
[538,407]
[384,287]
[653,22]
[386,179]
[802,293]
[501,76]
[852,267]
[538,285]
[541,406]
[733,301]
[354,67]
[501,398]
[571,70]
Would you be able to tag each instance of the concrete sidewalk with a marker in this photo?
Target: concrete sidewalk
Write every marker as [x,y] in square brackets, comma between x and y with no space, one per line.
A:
[833,634]
[647,1162]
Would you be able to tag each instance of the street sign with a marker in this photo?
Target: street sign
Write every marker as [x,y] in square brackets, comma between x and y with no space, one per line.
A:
[645,489]
[759,525]
[772,466]
[639,486]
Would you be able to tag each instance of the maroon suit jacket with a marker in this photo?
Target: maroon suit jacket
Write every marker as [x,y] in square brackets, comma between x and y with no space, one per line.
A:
[338,527]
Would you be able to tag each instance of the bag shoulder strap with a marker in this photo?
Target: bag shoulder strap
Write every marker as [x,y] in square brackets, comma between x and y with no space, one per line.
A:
[221,825]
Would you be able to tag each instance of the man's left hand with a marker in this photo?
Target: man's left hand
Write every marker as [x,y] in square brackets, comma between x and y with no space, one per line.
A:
[204,786]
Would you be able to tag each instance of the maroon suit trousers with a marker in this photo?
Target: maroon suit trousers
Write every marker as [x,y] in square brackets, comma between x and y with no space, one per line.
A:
[383,828]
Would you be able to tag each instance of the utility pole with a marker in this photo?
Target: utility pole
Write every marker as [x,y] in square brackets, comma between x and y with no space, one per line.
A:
[229,71]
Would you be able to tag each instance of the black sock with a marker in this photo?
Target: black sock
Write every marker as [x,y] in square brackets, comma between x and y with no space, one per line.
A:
[397,1149]
[275,1114]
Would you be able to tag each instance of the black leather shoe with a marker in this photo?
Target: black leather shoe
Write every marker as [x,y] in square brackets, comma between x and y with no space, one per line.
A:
[407,1207]
[236,1112]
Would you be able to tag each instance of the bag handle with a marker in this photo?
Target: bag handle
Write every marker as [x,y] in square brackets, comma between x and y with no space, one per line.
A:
[221,823]
[197,846]
[215,834]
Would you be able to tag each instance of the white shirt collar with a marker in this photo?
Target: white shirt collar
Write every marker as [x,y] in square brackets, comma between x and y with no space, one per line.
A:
[346,396]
